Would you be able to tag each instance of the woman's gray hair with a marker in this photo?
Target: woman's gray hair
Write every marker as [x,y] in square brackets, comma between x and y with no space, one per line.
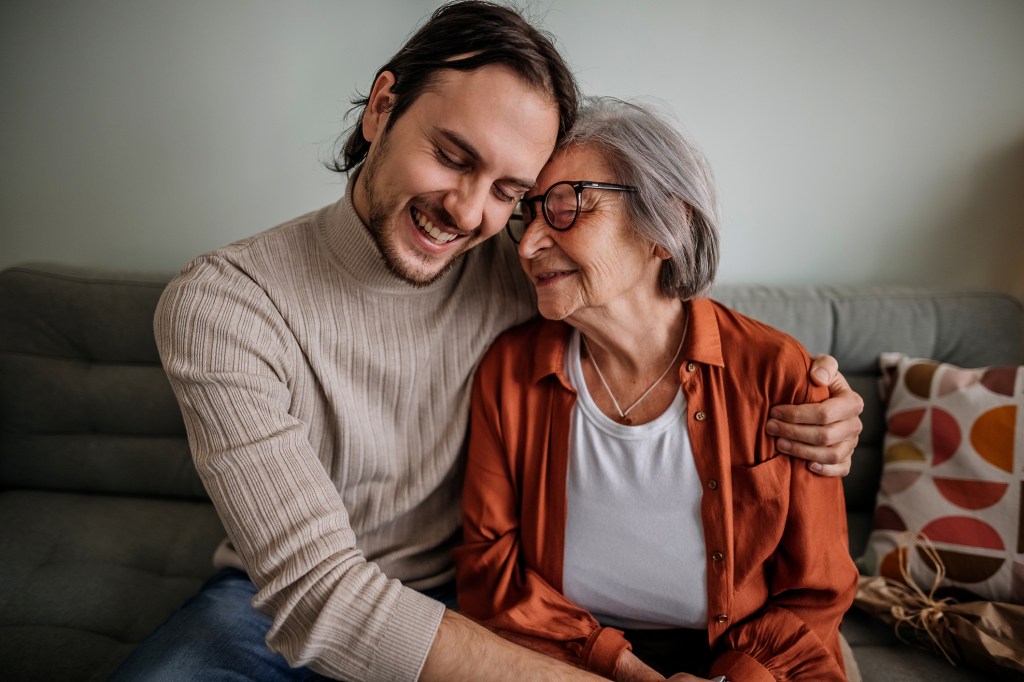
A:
[674,205]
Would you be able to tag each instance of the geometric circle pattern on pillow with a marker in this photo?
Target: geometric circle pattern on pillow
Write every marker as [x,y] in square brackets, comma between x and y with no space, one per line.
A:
[953,472]
[970,494]
[992,435]
[904,452]
[897,481]
[945,436]
[904,423]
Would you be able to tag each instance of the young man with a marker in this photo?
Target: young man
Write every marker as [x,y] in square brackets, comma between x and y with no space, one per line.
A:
[323,369]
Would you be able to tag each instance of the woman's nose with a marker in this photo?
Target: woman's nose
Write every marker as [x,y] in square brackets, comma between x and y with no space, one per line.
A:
[536,238]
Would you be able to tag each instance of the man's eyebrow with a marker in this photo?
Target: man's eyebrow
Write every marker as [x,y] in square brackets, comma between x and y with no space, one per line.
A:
[469,150]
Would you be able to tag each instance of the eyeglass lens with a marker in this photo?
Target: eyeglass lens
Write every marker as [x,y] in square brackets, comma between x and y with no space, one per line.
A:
[559,207]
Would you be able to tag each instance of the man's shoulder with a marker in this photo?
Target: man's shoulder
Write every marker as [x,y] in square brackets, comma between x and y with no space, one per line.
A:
[291,237]
[287,244]
[528,345]
[242,274]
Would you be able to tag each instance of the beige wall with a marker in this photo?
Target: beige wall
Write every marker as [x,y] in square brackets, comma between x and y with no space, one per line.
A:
[854,142]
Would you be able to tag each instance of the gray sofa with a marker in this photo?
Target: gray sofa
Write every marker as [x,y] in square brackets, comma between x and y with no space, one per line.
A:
[105,529]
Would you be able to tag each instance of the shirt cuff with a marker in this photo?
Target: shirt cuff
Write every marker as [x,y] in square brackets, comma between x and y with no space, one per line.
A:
[738,666]
[603,649]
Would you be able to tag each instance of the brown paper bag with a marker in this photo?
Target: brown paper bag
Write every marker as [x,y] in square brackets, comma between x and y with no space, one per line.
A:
[982,634]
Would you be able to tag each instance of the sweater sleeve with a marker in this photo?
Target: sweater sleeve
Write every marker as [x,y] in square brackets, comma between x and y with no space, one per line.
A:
[812,581]
[226,351]
[495,584]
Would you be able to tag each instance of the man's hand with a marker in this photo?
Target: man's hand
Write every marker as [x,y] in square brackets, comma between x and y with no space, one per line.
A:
[632,669]
[824,433]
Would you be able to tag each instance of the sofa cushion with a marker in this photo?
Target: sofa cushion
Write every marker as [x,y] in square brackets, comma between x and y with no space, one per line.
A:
[952,474]
[84,578]
[84,403]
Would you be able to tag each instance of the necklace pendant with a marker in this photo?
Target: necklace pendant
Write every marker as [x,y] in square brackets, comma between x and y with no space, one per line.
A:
[622,418]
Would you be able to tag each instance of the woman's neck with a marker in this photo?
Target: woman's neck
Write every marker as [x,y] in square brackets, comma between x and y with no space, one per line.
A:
[633,354]
[633,337]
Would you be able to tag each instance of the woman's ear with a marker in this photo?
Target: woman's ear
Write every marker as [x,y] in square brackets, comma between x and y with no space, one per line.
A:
[659,250]
[378,106]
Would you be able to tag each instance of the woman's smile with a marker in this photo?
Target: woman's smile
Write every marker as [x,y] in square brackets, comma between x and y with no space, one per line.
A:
[548,277]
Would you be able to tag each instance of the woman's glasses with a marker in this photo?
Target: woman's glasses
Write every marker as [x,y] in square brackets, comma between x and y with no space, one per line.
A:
[560,206]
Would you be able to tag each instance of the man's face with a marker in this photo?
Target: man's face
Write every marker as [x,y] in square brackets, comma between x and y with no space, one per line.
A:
[448,173]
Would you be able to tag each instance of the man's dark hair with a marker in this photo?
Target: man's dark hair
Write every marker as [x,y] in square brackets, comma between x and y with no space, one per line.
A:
[488,34]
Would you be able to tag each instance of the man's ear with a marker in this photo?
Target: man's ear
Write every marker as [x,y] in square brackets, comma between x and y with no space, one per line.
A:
[378,106]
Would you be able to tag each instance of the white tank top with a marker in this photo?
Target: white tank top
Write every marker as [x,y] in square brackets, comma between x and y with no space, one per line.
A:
[634,542]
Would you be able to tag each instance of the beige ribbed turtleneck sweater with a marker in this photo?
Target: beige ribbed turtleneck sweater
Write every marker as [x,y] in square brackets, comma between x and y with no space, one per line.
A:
[326,406]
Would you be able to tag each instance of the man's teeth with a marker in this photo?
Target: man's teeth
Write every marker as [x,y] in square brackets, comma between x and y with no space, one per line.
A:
[428,227]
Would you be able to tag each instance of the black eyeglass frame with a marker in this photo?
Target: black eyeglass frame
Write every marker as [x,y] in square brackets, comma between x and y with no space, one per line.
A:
[578,186]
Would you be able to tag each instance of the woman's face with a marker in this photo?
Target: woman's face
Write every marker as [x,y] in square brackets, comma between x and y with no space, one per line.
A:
[598,264]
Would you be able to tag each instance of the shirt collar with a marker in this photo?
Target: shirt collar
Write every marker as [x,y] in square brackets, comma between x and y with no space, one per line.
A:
[704,342]
[549,352]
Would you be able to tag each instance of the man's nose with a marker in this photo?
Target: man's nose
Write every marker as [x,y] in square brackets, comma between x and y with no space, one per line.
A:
[467,204]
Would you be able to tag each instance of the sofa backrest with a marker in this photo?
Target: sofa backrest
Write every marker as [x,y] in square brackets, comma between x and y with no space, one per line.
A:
[84,403]
[856,324]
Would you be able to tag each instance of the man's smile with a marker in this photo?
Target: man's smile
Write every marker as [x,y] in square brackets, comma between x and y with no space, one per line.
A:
[436,235]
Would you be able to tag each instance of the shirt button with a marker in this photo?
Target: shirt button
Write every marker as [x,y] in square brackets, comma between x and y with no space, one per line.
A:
[712,484]
[717,556]
[690,367]
[700,416]
[721,618]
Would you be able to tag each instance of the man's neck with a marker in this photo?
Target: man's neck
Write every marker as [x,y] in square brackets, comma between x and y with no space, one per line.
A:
[359,199]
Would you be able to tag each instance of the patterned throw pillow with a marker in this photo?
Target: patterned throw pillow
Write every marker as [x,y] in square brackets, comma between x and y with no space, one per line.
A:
[953,472]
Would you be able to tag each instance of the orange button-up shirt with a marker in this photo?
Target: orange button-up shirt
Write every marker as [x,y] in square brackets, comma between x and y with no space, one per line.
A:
[779,573]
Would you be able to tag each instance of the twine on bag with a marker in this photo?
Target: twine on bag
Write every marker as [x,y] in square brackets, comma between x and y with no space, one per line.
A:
[916,609]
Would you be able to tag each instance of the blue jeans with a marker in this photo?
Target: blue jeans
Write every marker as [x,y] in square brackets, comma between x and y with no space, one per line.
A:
[218,635]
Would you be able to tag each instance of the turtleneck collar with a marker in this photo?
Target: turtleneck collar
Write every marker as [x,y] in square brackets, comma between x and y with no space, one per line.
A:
[356,253]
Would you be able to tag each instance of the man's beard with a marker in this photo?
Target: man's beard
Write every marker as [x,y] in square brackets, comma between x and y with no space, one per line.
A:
[380,209]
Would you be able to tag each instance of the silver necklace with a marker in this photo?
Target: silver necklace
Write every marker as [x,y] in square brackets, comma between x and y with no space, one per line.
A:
[623,418]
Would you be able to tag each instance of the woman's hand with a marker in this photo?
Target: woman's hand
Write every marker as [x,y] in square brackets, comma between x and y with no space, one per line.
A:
[824,433]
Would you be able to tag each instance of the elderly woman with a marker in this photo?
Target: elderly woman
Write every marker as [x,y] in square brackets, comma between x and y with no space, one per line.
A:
[623,504]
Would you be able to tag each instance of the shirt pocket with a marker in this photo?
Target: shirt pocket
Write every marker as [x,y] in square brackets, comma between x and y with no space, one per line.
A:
[760,502]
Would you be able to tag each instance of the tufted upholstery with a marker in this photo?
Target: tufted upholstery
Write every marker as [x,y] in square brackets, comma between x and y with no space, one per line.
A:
[104,526]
